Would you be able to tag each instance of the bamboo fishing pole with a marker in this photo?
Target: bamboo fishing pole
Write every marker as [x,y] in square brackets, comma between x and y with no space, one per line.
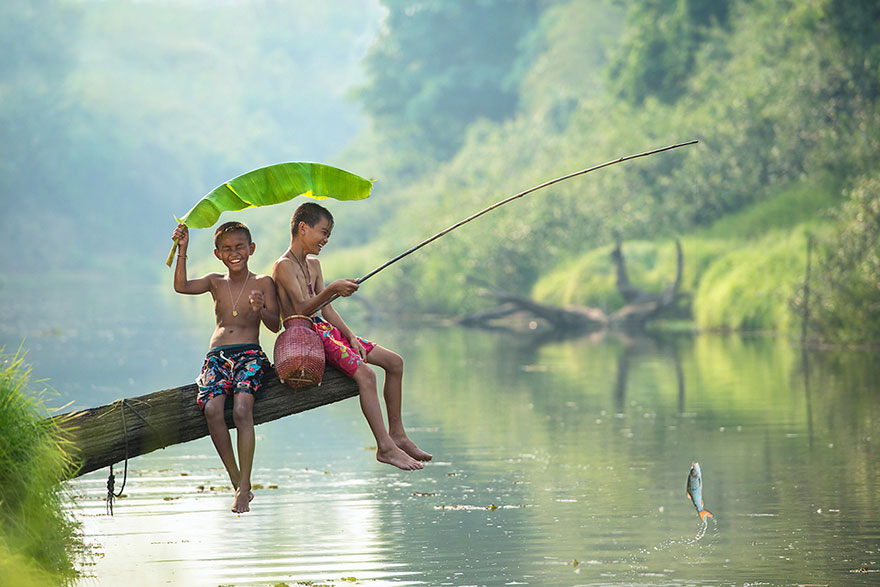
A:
[505,201]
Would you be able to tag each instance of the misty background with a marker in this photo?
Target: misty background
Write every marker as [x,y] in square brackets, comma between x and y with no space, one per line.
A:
[116,116]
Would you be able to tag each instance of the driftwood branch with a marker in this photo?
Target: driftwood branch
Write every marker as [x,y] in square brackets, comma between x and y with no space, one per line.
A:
[641,306]
[628,292]
[128,428]
[573,317]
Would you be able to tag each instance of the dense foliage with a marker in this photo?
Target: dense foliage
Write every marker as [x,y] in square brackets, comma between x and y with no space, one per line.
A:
[782,95]
[847,284]
[464,104]
[37,537]
[439,66]
[659,47]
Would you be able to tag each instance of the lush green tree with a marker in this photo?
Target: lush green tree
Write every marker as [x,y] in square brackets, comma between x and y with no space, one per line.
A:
[857,23]
[846,307]
[660,46]
[441,64]
[770,90]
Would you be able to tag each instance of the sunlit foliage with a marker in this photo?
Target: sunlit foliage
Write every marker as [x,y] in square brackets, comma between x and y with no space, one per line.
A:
[847,280]
[37,538]
[782,95]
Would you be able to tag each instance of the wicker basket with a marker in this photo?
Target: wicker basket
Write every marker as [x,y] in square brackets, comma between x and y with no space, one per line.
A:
[299,353]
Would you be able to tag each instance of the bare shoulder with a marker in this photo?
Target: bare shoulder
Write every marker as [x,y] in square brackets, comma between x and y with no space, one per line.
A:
[263,279]
[313,263]
[280,264]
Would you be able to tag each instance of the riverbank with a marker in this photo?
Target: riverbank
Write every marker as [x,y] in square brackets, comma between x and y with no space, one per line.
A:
[38,539]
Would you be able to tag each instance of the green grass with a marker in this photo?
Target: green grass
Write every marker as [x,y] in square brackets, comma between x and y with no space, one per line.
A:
[590,280]
[750,287]
[37,538]
[798,203]
[741,273]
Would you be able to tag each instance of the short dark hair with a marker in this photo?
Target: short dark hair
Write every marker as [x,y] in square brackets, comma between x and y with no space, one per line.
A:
[231,227]
[310,213]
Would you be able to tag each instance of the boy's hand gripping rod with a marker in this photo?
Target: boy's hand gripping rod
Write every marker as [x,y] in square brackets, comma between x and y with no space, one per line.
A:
[504,201]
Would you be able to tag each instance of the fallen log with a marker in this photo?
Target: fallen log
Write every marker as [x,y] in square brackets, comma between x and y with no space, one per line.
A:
[641,306]
[136,426]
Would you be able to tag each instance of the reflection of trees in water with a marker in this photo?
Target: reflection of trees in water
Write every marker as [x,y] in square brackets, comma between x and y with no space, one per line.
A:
[805,366]
[648,346]
[526,346]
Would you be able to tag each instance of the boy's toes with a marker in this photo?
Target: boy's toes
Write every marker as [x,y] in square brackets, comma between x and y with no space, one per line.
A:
[410,448]
[399,459]
[241,503]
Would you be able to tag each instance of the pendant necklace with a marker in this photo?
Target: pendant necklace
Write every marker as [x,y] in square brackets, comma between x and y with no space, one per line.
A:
[235,301]
[305,271]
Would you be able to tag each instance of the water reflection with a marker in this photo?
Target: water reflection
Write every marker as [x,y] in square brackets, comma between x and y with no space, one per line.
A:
[557,464]
[174,525]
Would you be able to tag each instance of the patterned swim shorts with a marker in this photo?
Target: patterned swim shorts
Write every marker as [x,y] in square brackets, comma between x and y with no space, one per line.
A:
[231,369]
[337,349]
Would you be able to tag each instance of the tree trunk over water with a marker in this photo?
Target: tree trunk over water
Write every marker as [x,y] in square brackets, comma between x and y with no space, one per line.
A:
[135,426]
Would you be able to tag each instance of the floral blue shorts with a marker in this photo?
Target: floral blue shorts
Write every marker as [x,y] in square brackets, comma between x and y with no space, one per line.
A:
[232,369]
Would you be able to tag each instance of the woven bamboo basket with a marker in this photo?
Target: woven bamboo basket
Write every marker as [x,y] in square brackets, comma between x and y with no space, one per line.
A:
[299,353]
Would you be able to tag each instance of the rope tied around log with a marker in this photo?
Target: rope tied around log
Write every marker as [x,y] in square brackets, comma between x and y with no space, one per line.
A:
[111,479]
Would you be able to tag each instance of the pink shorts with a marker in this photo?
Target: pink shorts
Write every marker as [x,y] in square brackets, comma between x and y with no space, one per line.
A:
[337,350]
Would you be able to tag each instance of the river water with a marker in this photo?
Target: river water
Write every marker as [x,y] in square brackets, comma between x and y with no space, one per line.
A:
[557,462]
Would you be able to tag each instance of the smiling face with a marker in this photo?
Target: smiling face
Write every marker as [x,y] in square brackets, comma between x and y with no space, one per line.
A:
[233,250]
[314,238]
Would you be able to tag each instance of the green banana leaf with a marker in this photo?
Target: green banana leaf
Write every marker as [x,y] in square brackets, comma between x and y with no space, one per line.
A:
[273,185]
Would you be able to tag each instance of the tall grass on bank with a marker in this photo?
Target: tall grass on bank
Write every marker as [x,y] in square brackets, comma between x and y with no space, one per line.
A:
[591,279]
[37,537]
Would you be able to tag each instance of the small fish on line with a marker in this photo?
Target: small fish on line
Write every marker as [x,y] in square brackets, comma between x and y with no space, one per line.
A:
[695,490]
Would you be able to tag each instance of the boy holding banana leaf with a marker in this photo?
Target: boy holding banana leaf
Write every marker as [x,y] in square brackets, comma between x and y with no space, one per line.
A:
[301,291]
[236,363]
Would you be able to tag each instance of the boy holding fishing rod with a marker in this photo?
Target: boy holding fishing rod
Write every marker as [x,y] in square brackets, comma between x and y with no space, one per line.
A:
[301,291]
[236,363]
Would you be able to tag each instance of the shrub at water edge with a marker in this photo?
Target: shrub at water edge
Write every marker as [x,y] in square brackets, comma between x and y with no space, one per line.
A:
[37,538]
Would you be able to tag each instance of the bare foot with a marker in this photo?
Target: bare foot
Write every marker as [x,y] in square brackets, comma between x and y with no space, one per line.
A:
[242,501]
[395,456]
[410,448]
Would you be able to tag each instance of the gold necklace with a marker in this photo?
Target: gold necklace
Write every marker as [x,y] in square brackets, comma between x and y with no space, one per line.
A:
[304,270]
[229,287]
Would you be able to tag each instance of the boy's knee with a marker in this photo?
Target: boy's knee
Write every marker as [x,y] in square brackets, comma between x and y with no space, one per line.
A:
[395,364]
[365,376]
[214,409]
[242,412]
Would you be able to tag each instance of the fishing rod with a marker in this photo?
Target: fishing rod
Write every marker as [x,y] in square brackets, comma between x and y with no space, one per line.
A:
[505,201]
